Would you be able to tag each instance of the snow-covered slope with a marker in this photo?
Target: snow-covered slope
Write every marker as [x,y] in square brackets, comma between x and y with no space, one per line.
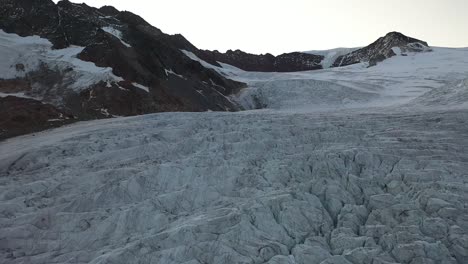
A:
[91,63]
[341,166]
[28,54]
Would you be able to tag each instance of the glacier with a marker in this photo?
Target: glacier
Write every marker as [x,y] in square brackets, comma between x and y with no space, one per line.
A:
[338,166]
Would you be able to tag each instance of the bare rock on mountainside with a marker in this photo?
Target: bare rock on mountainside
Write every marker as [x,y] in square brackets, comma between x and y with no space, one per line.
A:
[288,62]
[383,48]
[345,165]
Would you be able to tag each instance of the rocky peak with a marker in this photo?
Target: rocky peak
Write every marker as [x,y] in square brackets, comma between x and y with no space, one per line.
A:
[383,48]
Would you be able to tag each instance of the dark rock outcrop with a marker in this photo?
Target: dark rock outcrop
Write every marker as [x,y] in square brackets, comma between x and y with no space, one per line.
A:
[288,62]
[382,49]
[23,115]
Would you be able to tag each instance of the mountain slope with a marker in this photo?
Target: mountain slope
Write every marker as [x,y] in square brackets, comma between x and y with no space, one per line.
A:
[246,187]
[95,63]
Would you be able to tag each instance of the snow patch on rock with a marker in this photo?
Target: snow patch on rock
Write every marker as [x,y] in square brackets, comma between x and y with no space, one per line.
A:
[21,55]
[116,33]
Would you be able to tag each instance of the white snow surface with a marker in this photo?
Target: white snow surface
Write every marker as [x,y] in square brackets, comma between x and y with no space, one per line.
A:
[33,51]
[342,166]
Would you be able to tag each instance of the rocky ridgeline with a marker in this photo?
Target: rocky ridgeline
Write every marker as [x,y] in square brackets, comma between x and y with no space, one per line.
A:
[288,62]
[384,48]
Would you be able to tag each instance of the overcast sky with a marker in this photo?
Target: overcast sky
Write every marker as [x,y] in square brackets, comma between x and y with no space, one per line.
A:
[278,26]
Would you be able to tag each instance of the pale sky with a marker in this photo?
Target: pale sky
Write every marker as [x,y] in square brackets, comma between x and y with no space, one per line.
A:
[278,26]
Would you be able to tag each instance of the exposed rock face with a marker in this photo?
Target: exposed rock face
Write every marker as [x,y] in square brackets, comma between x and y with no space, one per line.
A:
[135,68]
[288,62]
[153,74]
[250,188]
[385,47]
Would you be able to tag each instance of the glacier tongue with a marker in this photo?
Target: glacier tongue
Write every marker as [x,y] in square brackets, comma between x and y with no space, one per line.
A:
[252,187]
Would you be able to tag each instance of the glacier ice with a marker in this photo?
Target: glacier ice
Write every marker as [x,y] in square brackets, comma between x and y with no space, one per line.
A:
[374,171]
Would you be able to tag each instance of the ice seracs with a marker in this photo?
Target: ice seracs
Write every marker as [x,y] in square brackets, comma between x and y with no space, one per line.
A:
[23,55]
